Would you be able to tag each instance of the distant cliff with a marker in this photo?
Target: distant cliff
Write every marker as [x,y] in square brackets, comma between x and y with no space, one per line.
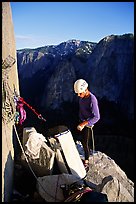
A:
[111,71]
[47,75]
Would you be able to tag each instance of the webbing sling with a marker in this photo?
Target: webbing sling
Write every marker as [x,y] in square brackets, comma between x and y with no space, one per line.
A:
[30,107]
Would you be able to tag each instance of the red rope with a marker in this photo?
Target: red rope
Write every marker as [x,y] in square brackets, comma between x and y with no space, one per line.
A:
[38,114]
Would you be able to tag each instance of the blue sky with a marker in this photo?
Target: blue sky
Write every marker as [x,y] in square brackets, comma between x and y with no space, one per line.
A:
[38,24]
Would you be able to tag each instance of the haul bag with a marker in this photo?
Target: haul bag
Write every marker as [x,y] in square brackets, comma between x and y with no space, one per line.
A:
[44,164]
[67,155]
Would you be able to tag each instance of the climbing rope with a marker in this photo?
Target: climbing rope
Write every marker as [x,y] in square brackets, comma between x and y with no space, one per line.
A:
[92,137]
[95,168]
[31,108]
[91,127]
[93,143]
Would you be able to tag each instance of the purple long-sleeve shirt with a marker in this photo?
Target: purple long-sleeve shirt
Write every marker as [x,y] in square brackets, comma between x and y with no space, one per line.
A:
[89,110]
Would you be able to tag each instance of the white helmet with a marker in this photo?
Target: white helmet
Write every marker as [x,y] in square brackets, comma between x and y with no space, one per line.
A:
[80,86]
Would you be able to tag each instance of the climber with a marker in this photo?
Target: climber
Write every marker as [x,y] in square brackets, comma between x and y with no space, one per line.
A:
[88,115]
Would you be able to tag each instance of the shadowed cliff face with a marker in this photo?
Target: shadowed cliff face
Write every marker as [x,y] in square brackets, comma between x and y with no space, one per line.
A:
[111,71]
[47,75]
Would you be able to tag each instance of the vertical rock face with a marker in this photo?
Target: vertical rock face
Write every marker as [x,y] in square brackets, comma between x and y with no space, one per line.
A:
[59,86]
[9,82]
[111,72]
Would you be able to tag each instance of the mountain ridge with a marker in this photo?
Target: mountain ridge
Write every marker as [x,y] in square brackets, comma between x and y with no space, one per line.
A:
[104,65]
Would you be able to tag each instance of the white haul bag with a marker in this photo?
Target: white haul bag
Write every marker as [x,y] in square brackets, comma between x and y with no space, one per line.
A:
[67,155]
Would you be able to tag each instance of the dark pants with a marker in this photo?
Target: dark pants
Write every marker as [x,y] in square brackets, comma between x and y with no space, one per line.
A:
[86,138]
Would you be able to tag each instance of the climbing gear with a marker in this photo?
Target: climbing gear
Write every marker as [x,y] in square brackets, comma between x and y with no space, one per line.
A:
[20,114]
[75,197]
[21,100]
[17,117]
[74,191]
[79,191]
[80,86]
